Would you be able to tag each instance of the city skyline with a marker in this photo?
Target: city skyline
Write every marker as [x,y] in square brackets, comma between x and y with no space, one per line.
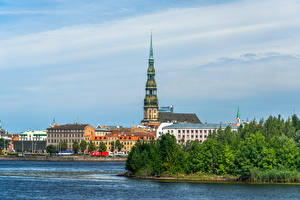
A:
[89,61]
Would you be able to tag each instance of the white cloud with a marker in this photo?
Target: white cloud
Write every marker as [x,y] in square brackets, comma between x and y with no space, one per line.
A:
[228,51]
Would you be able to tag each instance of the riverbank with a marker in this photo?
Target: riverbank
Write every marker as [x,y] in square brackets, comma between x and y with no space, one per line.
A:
[63,158]
[204,178]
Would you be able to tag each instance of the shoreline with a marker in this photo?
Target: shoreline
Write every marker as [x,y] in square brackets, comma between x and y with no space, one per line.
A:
[63,158]
[202,179]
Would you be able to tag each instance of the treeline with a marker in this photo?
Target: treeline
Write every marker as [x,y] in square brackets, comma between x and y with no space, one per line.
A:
[268,150]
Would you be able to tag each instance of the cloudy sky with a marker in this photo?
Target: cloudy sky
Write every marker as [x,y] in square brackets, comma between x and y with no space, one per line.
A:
[87,60]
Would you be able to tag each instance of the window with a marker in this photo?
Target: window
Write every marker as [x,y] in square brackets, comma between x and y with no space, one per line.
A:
[200,131]
[178,131]
[192,131]
[196,131]
[183,131]
[205,131]
[196,136]
[187,131]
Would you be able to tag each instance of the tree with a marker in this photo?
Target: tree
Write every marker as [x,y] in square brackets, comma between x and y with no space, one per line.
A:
[83,146]
[63,146]
[119,145]
[91,147]
[4,143]
[112,146]
[75,147]
[102,147]
[51,149]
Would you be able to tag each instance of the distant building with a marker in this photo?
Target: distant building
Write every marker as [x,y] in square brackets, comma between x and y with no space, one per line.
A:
[32,146]
[167,117]
[128,140]
[150,101]
[4,134]
[102,131]
[238,119]
[38,135]
[168,109]
[189,132]
[69,133]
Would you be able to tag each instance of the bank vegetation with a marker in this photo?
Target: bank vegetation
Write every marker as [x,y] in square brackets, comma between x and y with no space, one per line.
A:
[264,151]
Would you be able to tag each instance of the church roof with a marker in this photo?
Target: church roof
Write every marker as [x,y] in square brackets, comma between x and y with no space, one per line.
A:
[178,117]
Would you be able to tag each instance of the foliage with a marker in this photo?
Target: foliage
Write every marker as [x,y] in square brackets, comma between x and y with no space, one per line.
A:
[102,147]
[268,150]
[119,145]
[83,146]
[75,147]
[51,149]
[63,146]
[3,143]
[91,147]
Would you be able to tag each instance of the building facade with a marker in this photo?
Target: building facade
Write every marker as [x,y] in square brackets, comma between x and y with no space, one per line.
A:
[189,132]
[127,139]
[38,135]
[69,133]
[151,100]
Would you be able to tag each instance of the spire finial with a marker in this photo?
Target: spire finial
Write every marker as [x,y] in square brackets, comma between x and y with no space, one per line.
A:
[151,49]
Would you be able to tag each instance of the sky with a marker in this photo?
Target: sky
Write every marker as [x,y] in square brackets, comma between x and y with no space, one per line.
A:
[86,61]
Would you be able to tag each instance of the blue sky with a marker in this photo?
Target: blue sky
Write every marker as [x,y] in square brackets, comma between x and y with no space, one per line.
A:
[88,59]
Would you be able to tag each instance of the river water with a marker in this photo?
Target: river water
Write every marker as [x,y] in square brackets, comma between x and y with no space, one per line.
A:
[98,180]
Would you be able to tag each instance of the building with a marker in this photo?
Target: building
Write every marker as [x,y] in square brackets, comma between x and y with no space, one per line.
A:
[189,132]
[69,133]
[102,131]
[127,139]
[150,101]
[168,109]
[38,135]
[168,117]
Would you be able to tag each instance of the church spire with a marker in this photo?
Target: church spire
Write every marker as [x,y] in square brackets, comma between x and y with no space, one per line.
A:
[151,49]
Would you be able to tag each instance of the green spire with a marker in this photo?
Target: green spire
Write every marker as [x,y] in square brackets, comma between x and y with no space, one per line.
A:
[238,113]
[151,49]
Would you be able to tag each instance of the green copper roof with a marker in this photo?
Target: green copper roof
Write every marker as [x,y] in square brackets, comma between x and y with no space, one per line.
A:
[151,49]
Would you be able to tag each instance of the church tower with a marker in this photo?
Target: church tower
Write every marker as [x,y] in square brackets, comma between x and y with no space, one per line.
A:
[150,101]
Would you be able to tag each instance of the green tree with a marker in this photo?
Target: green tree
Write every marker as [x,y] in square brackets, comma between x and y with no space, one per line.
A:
[75,147]
[91,147]
[119,145]
[83,145]
[51,149]
[112,146]
[63,146]
[3,143]
[102,147]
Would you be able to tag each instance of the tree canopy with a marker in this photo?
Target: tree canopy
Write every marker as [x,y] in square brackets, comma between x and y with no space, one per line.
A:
[258,149]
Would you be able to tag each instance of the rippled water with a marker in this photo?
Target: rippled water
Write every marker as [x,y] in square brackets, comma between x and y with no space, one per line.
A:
[92,180]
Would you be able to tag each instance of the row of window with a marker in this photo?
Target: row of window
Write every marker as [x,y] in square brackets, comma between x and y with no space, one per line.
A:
[192,131]
[125,143]
[67,130]
[66,135]
[192,136]
[60,140]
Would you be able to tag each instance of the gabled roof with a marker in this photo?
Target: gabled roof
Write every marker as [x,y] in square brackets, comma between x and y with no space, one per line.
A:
[178,117]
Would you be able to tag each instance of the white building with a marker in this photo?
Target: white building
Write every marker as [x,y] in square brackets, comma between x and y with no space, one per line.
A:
[189,132]
[38,135]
